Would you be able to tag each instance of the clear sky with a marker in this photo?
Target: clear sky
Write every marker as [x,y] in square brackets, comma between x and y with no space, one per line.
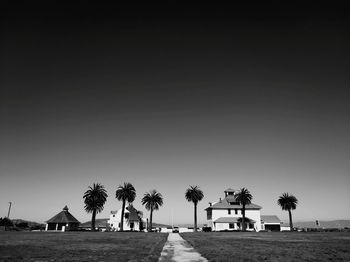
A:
[168,97]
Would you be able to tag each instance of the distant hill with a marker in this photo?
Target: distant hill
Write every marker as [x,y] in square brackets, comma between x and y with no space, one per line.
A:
[99,222]
[323,224]
[30,223]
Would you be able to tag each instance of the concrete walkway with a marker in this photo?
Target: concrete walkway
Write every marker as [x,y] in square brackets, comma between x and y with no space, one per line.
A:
[179,250]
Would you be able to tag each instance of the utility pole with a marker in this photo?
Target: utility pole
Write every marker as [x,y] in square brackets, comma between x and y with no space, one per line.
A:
[8,214]
[172,217]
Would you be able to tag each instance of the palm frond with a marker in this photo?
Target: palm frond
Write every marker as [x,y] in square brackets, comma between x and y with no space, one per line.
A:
[152,200]
[95,198]
[287,201]
[126,192]
[243,196]
[194,194]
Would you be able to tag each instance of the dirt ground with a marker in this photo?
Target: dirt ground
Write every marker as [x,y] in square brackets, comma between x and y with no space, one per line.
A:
[272,246]
[80,246]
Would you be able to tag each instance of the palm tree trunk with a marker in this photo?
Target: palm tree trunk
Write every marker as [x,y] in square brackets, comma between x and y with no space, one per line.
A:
[122,217]
[93,220]
[243,218]
[150,220]
[195,217]
[290,220]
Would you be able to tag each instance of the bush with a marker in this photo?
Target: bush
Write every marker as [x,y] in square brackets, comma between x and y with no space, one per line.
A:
[37,227]
[22,225]
[6,222]
[206,229]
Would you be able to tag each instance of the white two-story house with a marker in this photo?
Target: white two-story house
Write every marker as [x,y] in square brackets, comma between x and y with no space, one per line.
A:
[226,214]
[133,220]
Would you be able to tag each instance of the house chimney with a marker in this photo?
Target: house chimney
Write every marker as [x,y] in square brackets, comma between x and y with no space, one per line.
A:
[210,204]
[220,199]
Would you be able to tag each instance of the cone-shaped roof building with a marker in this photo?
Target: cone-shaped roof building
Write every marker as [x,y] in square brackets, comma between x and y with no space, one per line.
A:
[63,217]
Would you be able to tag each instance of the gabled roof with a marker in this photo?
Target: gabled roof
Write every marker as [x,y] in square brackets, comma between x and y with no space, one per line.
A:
[230,198]
[270,219]
[224,204]
[63,217]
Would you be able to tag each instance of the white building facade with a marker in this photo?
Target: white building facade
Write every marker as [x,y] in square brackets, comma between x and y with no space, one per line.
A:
[226,214]
[133,220]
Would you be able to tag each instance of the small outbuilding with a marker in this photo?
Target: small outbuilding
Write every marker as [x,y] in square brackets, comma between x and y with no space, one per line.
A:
[270,223]
[63,221]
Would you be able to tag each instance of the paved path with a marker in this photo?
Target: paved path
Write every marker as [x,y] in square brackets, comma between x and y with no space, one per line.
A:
[179,250]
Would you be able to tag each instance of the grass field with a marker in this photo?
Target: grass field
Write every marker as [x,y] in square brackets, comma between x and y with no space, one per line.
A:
[80,246]
[273,246]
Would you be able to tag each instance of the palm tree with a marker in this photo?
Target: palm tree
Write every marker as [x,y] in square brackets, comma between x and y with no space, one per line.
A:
[95,198]
[152,201]
[288,202]
[244,198]
[194,194]
[125,193]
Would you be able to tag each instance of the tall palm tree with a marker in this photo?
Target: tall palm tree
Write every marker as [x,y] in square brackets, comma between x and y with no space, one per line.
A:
[288,202]
[194,194]
[95,198]
[244,198]
[125,193]
[152,201]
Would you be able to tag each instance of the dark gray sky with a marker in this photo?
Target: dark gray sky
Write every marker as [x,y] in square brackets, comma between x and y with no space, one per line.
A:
[173,96]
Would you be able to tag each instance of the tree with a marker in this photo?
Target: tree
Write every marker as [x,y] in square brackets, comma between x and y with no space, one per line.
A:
[244,198]
[288,202]
[125,193]
[194,194]
[95,198]
[152,201]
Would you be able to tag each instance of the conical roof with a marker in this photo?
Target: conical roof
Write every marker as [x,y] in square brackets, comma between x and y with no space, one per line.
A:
[63,217]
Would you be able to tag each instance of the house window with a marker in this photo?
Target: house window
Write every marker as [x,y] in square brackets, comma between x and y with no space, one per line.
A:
[231,225]
[229,211]
[126,215]
[113,215]
[209,214]
[250,225]
[236,211]
[111,225]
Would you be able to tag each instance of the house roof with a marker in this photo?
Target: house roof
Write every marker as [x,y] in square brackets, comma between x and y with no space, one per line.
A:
[63,217]
[270,219]
[229,190]
[225,204]
[232,220]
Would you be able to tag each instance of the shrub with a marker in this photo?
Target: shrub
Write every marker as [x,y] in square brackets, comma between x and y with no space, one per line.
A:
[6,222]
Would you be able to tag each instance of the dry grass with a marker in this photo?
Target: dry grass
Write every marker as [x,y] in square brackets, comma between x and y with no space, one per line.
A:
[80,246]
[274,246]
